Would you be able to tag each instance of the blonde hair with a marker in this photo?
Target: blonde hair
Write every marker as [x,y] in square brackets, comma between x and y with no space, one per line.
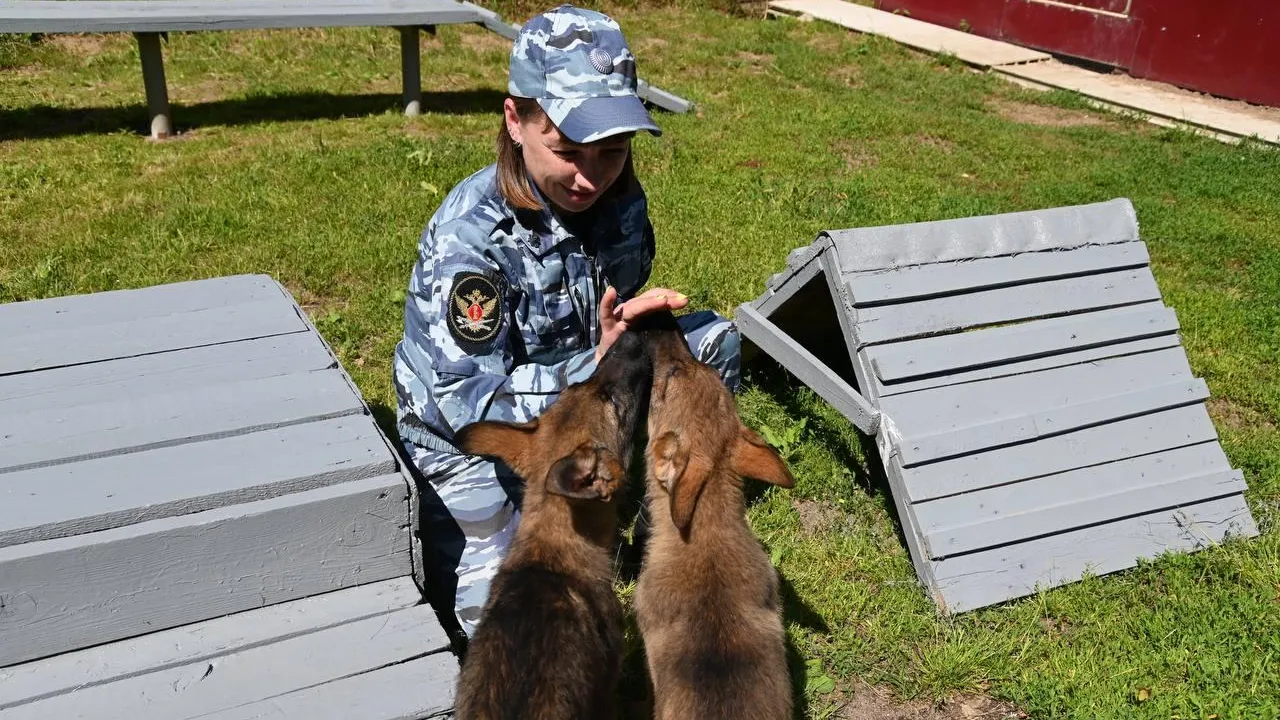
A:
[513,178]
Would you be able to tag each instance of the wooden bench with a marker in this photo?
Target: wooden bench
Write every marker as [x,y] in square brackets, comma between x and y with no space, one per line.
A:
[149,19]
[199,517]
[1034,409]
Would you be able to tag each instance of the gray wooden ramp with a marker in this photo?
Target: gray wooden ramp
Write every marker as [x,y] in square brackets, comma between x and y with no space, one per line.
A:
[199,516]
[1034,409]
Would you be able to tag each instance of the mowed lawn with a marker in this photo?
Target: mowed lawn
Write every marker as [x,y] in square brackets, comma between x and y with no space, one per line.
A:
[294,160]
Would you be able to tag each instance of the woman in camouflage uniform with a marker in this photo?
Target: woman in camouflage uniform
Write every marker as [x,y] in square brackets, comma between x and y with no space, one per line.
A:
[525,275]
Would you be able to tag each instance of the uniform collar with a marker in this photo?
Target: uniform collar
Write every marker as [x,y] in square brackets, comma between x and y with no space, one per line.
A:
[544,229]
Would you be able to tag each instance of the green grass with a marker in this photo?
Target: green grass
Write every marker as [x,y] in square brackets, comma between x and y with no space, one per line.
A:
[295,161]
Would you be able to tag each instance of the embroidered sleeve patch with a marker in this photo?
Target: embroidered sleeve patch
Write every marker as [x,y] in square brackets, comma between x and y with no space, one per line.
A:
[475,311]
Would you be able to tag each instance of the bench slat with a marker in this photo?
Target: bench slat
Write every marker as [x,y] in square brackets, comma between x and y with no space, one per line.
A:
[970,581]
[992,346]
[989,307]
[71,671]
[254,674]
[51,16]
[70,499]
[1065,228]
[1091,446]
[1056,503]
[75,592]
[939,279]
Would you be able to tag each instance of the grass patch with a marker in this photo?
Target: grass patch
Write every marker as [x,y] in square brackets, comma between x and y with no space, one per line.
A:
[294,160]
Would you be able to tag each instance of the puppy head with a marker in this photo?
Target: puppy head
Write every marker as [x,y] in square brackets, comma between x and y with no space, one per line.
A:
[578,447]
[695,434]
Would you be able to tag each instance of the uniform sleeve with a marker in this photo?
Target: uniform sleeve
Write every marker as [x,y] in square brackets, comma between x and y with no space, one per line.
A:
[463,300]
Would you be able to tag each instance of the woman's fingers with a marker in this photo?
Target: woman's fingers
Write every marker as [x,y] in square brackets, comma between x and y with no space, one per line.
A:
[651,301]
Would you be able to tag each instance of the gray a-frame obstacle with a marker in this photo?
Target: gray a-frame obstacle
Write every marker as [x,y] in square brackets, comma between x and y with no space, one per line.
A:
[1033,406]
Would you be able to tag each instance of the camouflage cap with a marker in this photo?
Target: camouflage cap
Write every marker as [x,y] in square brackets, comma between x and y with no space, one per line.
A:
[578,67]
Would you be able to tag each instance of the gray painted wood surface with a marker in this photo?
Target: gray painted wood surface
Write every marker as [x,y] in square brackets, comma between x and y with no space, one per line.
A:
[193,643]
[978,579]
[172,456]
[1037,415]
[79,591]
[233,680]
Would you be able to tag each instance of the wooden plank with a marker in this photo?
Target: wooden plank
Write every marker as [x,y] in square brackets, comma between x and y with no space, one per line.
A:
[1063,228]
[50,16]
[918,282]
[1065,501]
[973,49]
[1092,446]
[989,307]
[71,593]
[82,311]
[64,434]
[414,690]
[77,498]
[58,347]
[956,407]
[133,377]
[830,386]
[1052,422]
[259,673]
[978,579]
[1103,352]
[197,642]
[991,346]
[1125,93]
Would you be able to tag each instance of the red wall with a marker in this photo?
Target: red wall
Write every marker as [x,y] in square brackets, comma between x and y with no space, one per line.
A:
[1229,48]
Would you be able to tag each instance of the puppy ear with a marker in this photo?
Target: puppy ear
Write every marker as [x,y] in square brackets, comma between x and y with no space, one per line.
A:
[753,458]
[585,474]
[667,459]
[683,477]
[507,441]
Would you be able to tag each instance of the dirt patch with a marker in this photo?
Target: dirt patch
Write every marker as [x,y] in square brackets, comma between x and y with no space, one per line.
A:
[942,145]
[1045,116]
[645,45]
[484,41]
[856,157]
[850,75]
[1261,112]
[868,703]
[1228,413]
[825,42]
[81,45]
[754,62]
[815,517]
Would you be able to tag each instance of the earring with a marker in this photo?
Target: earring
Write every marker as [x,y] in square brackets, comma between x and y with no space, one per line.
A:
[517,145]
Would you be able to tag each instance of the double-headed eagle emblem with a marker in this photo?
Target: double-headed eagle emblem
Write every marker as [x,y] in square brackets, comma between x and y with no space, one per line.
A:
[475,311]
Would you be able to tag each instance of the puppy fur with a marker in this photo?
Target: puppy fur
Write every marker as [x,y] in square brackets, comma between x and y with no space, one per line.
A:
[549,643]
[707,600]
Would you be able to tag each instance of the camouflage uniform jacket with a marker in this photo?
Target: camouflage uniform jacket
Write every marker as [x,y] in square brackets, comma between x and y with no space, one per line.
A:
[501,313]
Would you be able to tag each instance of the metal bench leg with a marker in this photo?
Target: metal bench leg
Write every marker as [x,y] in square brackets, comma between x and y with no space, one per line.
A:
[410,68]
[153,80]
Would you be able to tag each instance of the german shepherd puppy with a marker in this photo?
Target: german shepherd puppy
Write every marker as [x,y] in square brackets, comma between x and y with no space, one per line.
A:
[707,600]
[550,641]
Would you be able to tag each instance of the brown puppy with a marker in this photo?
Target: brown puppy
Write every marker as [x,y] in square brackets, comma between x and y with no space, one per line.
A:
[549,644]
[707,600]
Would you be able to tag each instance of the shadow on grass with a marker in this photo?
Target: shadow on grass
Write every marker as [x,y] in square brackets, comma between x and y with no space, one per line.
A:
[44,121]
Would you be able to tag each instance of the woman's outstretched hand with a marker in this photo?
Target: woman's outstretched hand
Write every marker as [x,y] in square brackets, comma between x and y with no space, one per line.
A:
[615,318]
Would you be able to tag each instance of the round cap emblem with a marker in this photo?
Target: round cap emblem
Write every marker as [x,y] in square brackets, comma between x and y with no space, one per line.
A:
[601,60]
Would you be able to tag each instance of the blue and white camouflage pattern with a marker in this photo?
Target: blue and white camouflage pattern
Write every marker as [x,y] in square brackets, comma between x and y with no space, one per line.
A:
[552,278]
[577,65]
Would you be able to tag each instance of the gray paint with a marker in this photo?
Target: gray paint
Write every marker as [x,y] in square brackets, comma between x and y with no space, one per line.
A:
[254,674]
[964,239]
[94,495]
[978,579]
[413,690]
[201,641]
[1036,413]
[958,352]
[987,307]
[64,434]
[154,84]
[74,592]
[925,281]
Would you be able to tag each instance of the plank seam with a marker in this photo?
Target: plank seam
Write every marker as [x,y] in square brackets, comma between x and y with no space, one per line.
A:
[359,410]
[1180,521]
[155,352]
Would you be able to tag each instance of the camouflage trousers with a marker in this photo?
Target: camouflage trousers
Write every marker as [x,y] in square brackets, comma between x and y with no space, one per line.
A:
[470,506]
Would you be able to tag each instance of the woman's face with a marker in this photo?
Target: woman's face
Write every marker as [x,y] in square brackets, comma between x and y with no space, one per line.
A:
[572,176]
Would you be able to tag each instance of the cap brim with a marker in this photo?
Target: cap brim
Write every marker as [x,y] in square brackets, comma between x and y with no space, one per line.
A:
[590,119]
